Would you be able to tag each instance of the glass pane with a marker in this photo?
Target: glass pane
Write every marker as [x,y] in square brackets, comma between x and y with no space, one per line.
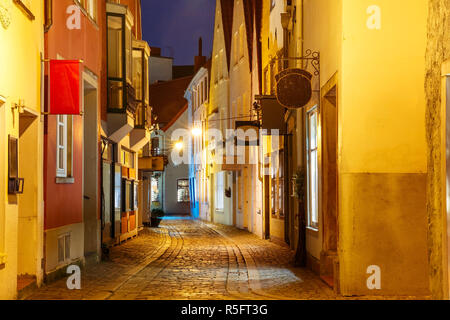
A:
[140,115]
[155,190]
[314,215]
[183,183]
[117,189]
[106,192]
[61,158]
[61,136]
[137,73]
[128,57]
[135,196]
[115,91]
[115,46]
[61,249]
[130,191]
[146,80]
[67,247]
[313,130]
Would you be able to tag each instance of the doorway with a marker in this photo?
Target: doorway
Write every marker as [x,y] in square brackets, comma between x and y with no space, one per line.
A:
[240,200]
[447,107]
[30,222]
[329,182]
[2,185]
[91,216]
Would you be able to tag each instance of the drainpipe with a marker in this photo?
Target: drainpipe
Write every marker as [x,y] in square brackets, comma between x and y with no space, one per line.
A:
[42,205]
[48,15]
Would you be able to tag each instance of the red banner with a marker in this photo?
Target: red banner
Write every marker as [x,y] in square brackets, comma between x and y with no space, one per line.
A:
[65,87]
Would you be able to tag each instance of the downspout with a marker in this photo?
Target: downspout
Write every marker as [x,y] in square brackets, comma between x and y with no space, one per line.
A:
[48,15]
[48,11]
[44,235]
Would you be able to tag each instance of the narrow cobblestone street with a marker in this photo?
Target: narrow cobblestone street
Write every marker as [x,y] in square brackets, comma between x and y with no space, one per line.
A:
[187,259]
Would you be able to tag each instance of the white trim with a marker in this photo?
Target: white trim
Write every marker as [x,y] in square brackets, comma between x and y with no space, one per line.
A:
[310,112]
[2,100]
[66,259]
[61,170]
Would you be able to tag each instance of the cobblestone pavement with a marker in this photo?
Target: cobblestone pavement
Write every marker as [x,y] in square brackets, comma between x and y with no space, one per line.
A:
[187,259]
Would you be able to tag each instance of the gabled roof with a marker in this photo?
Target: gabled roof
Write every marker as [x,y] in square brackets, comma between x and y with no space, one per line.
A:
[227,7]
[257,4]
[248,15]
[167,99]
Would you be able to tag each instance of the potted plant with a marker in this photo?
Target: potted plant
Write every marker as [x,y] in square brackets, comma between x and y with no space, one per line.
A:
[299,181]
[156,217]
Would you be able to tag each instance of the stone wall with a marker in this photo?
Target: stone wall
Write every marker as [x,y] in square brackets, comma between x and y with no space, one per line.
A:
[438,51]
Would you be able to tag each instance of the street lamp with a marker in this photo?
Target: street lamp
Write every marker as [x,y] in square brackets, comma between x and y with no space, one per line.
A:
[196,132]
[179,146]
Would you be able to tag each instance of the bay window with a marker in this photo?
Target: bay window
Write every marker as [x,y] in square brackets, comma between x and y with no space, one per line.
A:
[121,94]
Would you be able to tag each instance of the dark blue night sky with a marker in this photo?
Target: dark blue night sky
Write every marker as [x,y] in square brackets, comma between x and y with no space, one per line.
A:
[176,25]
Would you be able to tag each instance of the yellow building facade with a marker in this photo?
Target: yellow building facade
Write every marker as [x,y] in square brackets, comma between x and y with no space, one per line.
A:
[21,141]
[220,208]
[367,116]
[372,109]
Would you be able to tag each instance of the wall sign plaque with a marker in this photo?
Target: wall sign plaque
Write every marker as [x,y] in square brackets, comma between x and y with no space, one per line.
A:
[294,88]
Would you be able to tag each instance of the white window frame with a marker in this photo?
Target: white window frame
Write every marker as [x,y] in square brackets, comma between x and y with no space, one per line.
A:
[61,144]
[313,217]
[67,255]
[220,187]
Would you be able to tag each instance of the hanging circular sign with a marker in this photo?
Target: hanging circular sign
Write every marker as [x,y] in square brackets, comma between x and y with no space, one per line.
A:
[294,88]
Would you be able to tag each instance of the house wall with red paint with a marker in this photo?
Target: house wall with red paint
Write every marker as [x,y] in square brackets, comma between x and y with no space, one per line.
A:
[77,35]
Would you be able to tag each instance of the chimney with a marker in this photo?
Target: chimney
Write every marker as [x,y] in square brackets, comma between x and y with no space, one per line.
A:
[200,60]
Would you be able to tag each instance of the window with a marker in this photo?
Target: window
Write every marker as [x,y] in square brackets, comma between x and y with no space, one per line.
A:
[128,196]
[183,190]
[236,48]
[64,146]
[127,158]
[202,93]
[221,64]
[155,195]
[220,191]
[277,184]
[138,73]
[135,196]
[313,170]
[241,41]
[198,96]
[216,58]
[115,62]
[128,56]
[63,248]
